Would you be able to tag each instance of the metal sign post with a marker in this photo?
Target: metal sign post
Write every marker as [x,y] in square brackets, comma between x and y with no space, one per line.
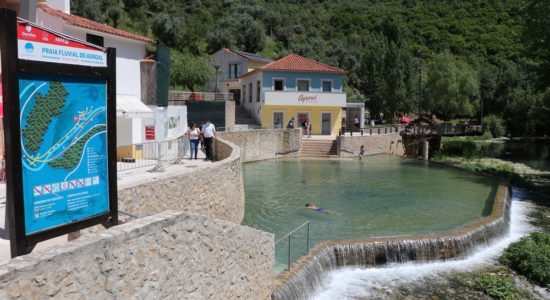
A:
[60,133]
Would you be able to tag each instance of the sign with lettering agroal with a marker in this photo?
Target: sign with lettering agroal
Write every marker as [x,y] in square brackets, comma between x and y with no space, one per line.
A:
[37,44]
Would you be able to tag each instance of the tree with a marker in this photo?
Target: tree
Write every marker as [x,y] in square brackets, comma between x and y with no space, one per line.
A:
[88,9]
[537,37]
[452,87]
[115,13]
[167,28]
[249,34]
[189,71]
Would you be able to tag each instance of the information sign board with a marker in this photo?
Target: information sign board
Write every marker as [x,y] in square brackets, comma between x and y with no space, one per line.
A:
[60,132]
[34,43]
[64,150]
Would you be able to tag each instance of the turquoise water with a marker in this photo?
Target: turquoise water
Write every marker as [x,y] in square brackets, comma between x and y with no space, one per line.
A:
[378,196]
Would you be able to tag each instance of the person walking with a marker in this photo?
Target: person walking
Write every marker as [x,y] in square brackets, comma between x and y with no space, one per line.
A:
[307,126]
[356,122]
[209,132]
[193,133]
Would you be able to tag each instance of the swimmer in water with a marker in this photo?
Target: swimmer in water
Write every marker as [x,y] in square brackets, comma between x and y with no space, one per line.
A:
[320,209]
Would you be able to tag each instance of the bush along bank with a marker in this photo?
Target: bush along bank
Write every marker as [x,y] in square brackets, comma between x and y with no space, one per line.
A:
[530,257]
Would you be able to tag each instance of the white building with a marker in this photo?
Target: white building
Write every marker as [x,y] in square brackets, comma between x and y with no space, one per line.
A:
[132,113]
[230,65]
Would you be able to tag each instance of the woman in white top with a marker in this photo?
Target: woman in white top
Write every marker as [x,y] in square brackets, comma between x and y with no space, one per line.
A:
[194,134]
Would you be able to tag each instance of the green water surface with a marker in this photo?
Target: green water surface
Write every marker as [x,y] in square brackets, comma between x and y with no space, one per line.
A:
[378,196]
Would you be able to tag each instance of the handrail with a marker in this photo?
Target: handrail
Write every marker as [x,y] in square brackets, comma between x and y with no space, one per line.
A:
[289,236]
[293,231]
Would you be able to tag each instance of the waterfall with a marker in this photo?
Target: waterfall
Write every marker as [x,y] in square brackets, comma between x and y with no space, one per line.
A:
[375,252]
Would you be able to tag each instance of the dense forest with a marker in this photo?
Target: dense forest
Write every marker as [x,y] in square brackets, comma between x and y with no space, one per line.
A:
[455,59]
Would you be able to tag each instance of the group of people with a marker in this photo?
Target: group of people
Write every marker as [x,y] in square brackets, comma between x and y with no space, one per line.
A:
[305,125]
[204,135]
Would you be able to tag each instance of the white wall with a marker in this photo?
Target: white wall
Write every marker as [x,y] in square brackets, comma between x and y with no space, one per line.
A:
[62,5]
[124,133]
[254,107]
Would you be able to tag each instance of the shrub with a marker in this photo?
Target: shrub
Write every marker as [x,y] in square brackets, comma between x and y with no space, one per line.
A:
[464,148]
[494,125]
[496,286]
[530,256]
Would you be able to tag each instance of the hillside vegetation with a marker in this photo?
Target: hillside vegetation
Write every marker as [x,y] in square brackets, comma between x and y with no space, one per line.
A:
[403,56]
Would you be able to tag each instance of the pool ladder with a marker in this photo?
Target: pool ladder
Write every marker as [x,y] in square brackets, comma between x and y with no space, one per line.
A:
[289,237]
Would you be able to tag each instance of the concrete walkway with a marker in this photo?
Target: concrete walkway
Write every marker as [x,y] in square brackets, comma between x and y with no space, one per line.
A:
[125,178]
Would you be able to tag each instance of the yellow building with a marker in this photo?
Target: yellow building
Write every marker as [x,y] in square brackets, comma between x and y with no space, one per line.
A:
[295,87]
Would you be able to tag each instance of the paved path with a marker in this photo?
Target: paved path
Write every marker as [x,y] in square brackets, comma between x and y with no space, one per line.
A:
[125,178]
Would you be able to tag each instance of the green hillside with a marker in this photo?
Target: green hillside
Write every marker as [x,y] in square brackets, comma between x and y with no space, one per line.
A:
[469,51]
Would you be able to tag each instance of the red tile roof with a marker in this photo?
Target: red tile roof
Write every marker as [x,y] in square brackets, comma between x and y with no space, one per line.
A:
[89,24]
[296,63]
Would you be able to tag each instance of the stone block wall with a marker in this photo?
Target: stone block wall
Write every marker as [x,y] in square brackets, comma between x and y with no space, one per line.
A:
[214,190]
[171,255]
[349,146]
[265,144]
[229,114]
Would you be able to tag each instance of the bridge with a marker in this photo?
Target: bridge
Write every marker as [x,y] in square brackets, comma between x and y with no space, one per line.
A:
[424,133]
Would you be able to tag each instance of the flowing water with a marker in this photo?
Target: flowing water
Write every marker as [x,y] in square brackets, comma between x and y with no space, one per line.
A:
[376,283]
[377,196]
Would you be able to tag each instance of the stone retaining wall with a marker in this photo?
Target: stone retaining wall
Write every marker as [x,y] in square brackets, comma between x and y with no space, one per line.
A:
[309,272]
[215,190]
[265,143]
[171,255]
[349,146]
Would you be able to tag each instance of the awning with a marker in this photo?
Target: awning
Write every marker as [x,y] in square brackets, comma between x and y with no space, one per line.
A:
[131,107]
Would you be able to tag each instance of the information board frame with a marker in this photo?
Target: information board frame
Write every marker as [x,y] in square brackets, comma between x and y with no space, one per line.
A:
[12,69]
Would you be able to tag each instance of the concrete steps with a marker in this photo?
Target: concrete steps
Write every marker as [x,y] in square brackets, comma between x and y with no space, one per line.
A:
[242,117]
[318,148]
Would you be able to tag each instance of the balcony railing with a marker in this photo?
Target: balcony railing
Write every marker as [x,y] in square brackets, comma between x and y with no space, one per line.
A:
[198,96]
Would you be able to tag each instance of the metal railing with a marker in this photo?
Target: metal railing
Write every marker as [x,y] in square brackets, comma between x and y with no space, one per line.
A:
[447,129]
[156,154]
[289,237]
[198,96]
[370,131]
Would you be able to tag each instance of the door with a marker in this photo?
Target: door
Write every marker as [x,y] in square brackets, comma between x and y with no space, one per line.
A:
[278,120]
[326,123]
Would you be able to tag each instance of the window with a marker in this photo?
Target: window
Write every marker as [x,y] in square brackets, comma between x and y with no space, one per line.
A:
[244,93]
[303,85]
[94,39]
[234,71]
[327,86]
[258,91]
[250,92]
[279,85]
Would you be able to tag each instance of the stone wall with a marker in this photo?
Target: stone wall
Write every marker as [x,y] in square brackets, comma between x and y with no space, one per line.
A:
[349,146]
[229,114]
[171,255]
[215,190]
[265,143]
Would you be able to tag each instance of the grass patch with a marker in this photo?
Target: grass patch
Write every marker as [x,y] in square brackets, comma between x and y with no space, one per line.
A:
[497,286]
[530,256]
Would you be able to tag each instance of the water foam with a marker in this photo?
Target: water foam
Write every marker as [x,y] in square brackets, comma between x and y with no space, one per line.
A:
[351,283]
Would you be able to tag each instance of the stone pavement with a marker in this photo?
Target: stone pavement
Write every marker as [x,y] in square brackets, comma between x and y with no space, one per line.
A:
[125,178]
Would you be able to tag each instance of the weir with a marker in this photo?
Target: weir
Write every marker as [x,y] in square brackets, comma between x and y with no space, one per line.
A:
[310,271]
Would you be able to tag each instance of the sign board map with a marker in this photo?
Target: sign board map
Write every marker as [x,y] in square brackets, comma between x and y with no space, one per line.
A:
[63,149]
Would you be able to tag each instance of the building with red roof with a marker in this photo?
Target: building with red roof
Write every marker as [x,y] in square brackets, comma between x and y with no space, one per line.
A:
[295,88]
[132,71]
